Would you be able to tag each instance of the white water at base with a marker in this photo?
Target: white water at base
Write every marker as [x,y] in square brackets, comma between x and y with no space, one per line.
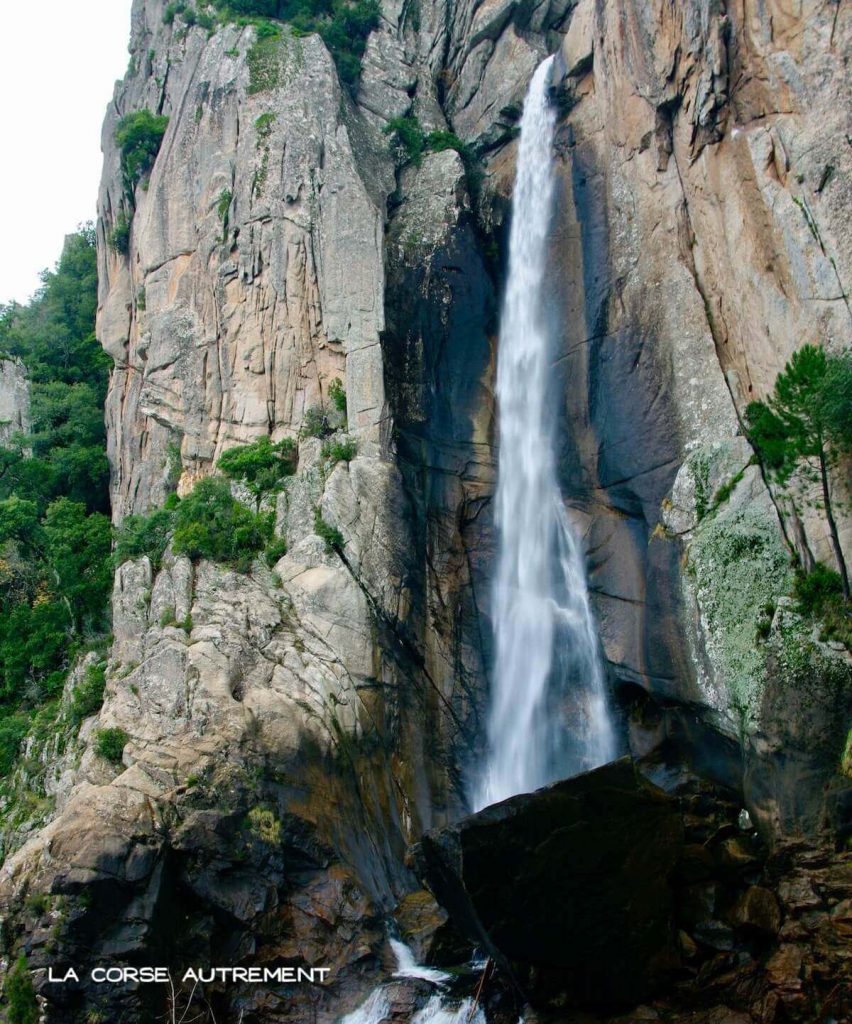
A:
[436,1012]
[373,1011]
[548,717]
[407,966]
[440,1009]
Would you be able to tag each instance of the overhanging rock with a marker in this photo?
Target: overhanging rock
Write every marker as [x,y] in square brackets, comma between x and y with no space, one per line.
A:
[572,879]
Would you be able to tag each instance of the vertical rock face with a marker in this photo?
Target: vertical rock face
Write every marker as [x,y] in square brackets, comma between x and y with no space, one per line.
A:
[14,399]
[700,243]
[291,730]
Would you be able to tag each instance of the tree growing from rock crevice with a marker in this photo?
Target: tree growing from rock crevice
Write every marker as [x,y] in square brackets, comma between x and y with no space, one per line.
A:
[803,431]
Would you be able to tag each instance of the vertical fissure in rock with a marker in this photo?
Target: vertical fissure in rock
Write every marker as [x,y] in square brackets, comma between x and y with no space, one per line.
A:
[548,716]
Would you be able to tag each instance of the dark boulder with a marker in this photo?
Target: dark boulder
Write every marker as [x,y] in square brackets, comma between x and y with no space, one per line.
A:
[573,880]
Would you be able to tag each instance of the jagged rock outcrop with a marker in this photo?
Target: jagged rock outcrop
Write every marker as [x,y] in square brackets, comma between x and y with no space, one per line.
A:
[14,399]
[292,729]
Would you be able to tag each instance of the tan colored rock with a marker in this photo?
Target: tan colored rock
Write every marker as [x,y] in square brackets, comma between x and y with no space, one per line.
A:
[757,909]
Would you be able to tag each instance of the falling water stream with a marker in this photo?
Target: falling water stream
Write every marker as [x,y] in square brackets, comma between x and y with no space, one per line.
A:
[548,717]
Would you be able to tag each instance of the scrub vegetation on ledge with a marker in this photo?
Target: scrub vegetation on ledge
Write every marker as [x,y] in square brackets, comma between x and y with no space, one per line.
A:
[343,25]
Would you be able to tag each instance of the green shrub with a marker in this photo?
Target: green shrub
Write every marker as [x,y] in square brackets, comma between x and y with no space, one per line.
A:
[138,137]
[20,995]
[12,732]
[343,25]
[813,590]
[260,466]
[264,825]
[264,125]
[119,236]
[277,549]
[337,394]
[167,618]
[110,744]
[141,535]
[211,523]
[88,696]
[223,208]
[172,10]
[407,139]
[250,8]
[332,537]
[819,597]
[340,451]
[315,423]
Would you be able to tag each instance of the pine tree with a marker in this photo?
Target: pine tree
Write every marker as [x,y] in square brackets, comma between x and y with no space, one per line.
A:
[804,429]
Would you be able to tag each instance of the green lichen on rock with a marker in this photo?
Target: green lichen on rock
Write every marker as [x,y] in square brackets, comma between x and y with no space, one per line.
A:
[737,565]
[808,699]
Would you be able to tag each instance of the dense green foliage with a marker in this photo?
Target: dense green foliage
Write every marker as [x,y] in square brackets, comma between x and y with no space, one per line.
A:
[407,139]
[337,394]
[409,143]
[138,137]
[88,695]
[110,744]
[55,539]
[211,523]
[146,535]
[260,467]
[804,429]
[119,235]
[20,995]
[343,450]
[343,25]
[819,597]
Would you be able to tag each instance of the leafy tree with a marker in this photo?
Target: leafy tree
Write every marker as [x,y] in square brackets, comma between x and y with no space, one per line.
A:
[77,547]
[261,466]
[54,535]
[256,8]
[343,25]
[145,535]
[68,372]
[805,427]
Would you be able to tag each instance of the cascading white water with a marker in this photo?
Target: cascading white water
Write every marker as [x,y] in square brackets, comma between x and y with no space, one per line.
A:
[548,717]
[440,1009]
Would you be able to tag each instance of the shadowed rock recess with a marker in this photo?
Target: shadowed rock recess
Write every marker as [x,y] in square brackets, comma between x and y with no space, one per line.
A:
[294,729]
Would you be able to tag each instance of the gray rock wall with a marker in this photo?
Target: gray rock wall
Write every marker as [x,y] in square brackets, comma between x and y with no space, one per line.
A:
[14,399]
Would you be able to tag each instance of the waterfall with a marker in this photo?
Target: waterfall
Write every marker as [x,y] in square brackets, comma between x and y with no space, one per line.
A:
[548,716]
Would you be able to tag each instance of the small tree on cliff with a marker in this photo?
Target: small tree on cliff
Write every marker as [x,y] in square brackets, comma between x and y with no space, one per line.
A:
[804,429]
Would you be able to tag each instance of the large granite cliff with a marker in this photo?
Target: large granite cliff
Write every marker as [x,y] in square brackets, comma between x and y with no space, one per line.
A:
[293,729]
